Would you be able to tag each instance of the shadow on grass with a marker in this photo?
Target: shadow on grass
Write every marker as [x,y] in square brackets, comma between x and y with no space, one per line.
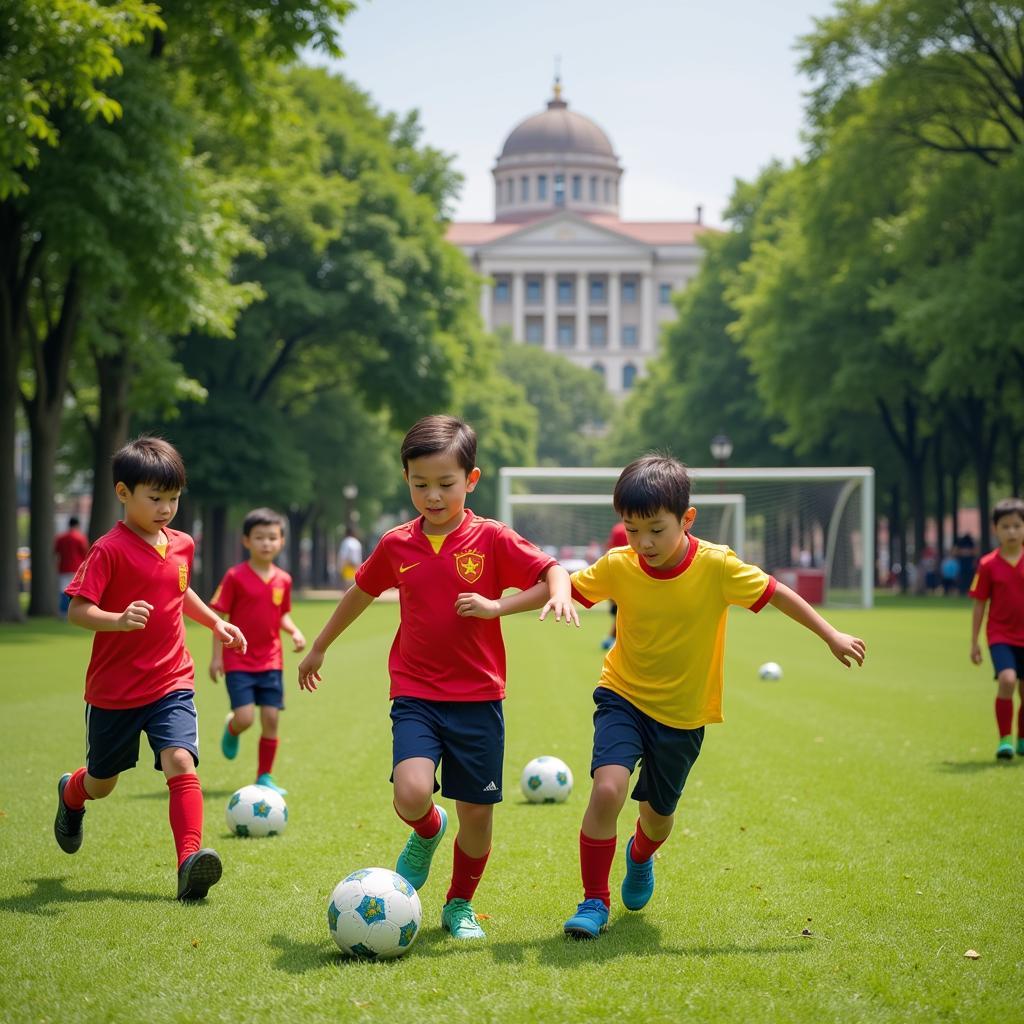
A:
[161,794]
[973,767]
[49,893]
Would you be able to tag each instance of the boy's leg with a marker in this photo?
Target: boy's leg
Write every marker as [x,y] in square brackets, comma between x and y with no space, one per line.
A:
[73,789]
[241,689]
[1020,717]
[471,849]
[270,698]
[1007,682]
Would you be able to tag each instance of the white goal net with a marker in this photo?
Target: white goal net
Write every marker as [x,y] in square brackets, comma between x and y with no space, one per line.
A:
[813,528]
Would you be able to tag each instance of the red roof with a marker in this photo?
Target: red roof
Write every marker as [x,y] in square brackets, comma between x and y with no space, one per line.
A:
[650,232]
[475,232]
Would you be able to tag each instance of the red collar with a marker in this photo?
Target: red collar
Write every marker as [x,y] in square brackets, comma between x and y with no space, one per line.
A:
[678,570]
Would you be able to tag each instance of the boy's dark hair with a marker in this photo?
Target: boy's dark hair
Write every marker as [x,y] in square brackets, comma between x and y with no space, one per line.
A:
[262,517]
[73,521]
[650,485]
[149,460]
[1007,507]
[434,434]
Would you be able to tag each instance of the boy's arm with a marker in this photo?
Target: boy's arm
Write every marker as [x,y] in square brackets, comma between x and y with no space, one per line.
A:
[842,645]
[289,627]
[216,669]
[228,633]
[553,592]
[977,615]
[83,612]
[350,607]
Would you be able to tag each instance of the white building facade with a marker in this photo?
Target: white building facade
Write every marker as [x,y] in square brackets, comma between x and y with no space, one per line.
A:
[562,270]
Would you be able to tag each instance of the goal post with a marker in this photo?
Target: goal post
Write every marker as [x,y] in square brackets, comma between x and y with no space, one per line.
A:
[812,526]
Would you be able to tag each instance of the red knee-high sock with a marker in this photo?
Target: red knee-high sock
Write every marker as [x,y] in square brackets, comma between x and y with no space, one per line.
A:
[186,814]
[643,846]
[426,827]
[466,874]
[596,856]
[232,728]
[268,750]
[75,794]
[1004,715]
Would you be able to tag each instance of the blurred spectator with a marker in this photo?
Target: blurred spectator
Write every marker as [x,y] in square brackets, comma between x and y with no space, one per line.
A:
[350,557]
[70,549]
[950,574]
[966,552]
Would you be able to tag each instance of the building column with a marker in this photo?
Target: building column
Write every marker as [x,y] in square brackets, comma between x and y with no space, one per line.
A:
[647,313]
[614,312]
[581,311]
[486,298]
[518,317]
[550,311]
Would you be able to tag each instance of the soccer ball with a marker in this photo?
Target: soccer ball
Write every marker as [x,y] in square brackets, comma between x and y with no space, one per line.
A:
[770,672]
[374,914]
[546,780]
[257,811]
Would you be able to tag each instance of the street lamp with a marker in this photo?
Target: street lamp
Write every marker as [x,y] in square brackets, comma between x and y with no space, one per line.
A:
[721,449]
[349,492]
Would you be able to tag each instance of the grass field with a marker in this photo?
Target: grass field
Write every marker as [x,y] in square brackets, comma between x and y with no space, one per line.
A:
[864,807]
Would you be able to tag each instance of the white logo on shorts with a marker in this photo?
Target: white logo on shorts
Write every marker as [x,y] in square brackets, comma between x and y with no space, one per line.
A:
[491,787]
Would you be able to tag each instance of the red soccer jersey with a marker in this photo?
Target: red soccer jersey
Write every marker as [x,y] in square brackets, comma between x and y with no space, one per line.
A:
[71,547]
[437,655]
[255,607]
[1002,585]
[618,538]
[130,669]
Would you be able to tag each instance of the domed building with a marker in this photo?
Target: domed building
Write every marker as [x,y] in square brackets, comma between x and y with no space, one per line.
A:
[564,272]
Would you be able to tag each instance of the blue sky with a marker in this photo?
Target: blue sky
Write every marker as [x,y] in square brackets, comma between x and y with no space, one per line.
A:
[692,94]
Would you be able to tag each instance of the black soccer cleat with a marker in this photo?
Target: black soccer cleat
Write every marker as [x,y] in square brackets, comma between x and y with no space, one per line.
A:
[67,825]
[197,873]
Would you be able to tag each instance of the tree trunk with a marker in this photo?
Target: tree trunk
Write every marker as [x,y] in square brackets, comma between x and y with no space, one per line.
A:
[1014,454]
[940,500]
[318,573]
[897,537]
[297,519]
[109,433]
[981,427]
[954,505]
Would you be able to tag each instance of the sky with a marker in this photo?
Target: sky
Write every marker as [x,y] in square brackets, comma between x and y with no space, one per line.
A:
[693,93]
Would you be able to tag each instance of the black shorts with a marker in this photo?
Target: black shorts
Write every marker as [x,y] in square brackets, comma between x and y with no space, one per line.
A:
[467,738]
[1006,656]
[263,688]
[623,735]
[112,736]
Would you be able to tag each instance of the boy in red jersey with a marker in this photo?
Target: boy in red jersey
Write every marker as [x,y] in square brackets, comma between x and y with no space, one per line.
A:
[447,662]
[132,591]
[999,583]
[257,596]
[70,548]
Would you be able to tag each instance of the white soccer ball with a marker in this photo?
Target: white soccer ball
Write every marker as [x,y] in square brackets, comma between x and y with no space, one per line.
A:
[257,811]
[546,780]
[374,914]
[770,672]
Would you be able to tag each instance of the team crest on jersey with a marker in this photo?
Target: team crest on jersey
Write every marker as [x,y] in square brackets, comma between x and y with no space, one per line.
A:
[183,577]
[277,595]
[470,565]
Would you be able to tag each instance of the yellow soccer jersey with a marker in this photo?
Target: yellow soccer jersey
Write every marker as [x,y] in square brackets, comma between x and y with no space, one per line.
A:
[670,631]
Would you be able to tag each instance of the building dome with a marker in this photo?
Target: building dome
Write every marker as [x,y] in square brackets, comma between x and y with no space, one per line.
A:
[557,130]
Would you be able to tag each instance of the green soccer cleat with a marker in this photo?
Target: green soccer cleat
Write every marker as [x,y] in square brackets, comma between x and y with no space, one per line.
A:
[638,885]
[197,874]
[414,860]
[229,741]
[457,917]
[267,780]
[1005,749]
[67,825]
[590,919]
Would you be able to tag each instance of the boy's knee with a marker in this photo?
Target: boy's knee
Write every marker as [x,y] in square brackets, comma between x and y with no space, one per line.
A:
[177,761]
[412,800]
[99,788]
[242,718]
[609,791]
[1007,680]
[477,816]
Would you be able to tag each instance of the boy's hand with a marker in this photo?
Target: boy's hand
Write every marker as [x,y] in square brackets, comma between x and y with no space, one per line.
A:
[135,616]
[976,654]
[844,646]
[216,668]
[309,670]
[299,640]
[476,606]
[230,636]
[563,610]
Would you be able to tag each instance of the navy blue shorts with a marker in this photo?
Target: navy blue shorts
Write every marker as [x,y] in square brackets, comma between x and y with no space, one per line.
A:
[623,734]
[263,688]
[1006,656]
[467,738]
[112,736]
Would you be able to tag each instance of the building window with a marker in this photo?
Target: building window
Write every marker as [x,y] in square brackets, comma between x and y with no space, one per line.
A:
[607,190]
[501,289]
[565,296]
[535,330]
[577,186]
[566,332]
[510,191]
[598,333]
[597,289]
[665,294]
[628,293]
[593,188]
[524,188]
[598,368]
[534,292]
[630,338]
[559,190]
[628,376]
[542,186]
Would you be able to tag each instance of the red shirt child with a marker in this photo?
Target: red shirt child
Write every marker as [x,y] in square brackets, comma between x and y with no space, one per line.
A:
[70,547]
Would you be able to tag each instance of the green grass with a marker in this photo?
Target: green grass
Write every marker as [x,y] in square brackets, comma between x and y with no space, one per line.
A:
[864,806]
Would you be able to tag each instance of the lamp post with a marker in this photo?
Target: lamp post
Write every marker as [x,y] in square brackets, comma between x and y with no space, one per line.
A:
[349,492]
[721,450]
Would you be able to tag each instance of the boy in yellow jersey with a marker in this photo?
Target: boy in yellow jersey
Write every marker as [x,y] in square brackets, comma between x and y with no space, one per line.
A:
[662,681]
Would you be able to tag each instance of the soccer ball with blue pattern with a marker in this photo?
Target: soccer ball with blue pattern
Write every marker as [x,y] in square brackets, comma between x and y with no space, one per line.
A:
[374,914]
[546,780]
[257,811]
[770,672]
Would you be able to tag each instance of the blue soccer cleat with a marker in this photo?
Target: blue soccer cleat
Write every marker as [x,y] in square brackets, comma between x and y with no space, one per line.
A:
[607,643]
[638,885]
[414,860]
[267,781]
[590,919]
[228,740]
